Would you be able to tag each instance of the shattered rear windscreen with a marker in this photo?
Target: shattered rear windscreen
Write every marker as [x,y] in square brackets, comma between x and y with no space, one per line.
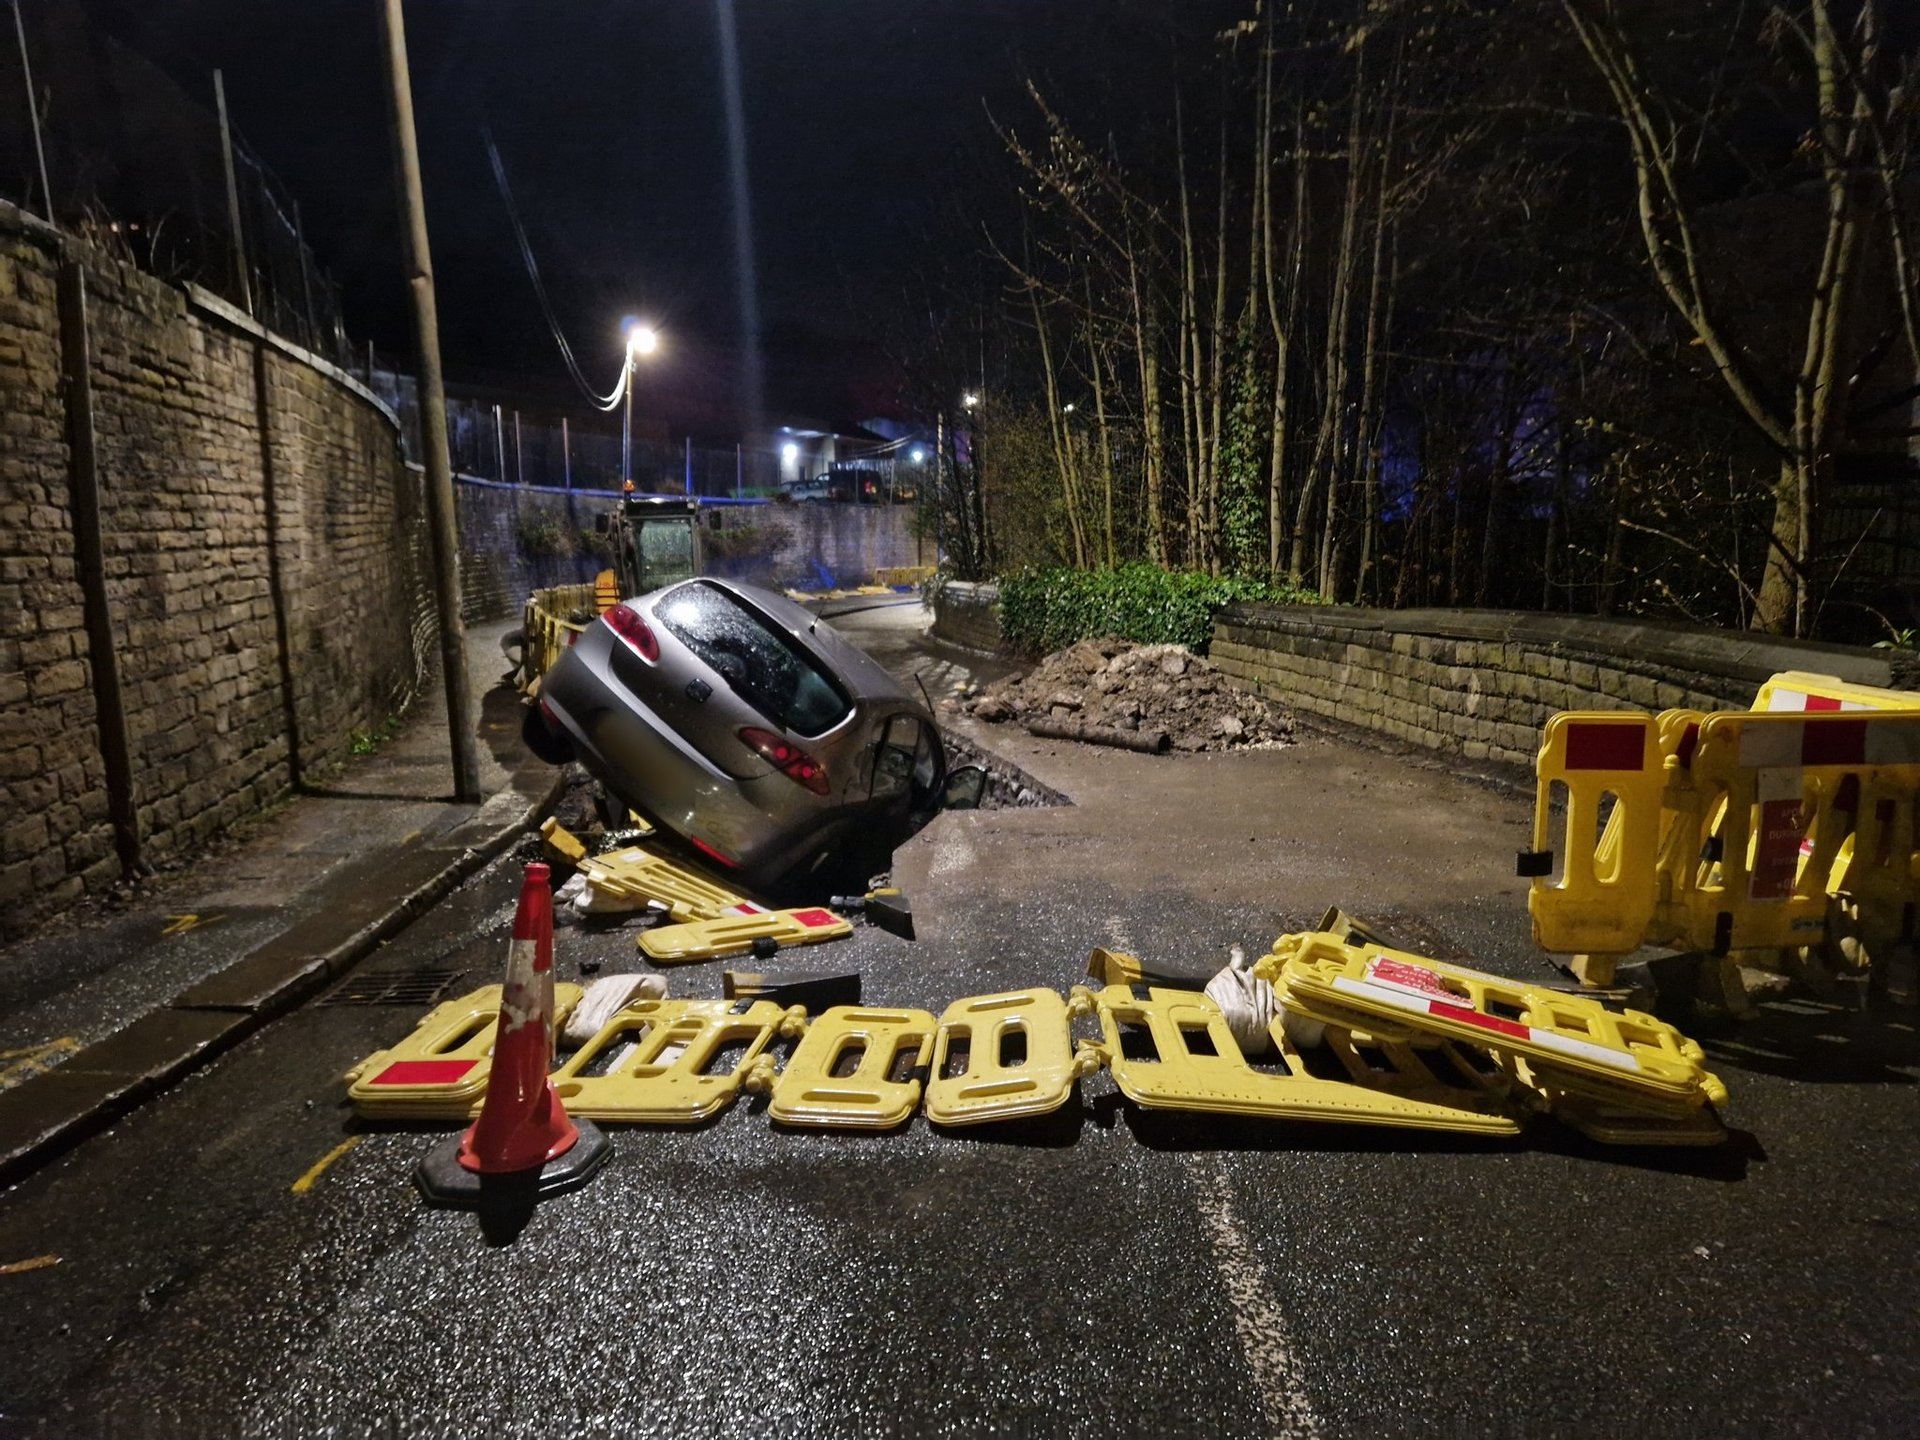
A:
[764,668]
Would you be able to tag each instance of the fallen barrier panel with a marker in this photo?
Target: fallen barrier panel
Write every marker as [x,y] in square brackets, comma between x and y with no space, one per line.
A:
[1172,1050]
[671,1062]
[1005,1057]
[857,1068]
[1575,1043]
[440,1070]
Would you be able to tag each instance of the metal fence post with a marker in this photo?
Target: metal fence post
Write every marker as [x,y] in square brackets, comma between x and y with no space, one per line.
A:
[33,110]
[240,276]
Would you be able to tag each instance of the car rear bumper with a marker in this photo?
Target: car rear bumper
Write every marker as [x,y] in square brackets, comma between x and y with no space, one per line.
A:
[750,822]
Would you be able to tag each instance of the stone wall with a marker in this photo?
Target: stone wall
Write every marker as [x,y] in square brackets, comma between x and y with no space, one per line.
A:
[506,533]
[263,550]
[968,614]
[1480,683]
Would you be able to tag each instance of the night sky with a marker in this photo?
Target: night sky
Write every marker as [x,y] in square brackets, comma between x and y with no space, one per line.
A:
[871,159]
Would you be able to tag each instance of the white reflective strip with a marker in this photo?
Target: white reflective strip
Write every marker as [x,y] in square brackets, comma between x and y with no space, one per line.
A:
[1779,783]
[1785,700]
[1583,1049]
[1765,745]
[1385,994]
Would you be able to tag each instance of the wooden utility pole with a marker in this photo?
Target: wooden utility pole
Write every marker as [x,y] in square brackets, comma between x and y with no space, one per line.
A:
[442,528]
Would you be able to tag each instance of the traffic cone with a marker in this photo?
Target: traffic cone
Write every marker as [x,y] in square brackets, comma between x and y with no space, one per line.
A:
[524,1139]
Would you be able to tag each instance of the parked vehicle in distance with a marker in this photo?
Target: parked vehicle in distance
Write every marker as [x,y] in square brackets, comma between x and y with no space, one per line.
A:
[750,728]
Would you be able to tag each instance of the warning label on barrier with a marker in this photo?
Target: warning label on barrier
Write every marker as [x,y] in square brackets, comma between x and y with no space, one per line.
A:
[1415,979]
[1778,831]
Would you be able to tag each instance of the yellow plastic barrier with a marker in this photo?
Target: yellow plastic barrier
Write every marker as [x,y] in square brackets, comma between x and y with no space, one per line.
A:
[439,1072]
[1171,1050]
[1802,795]
[1605,896]
[1006,1057]
[740,934]
[671,1062]
[1574,1043]
[857,1068]
[892,575]
[638,874]
[1803,691]
[547,629]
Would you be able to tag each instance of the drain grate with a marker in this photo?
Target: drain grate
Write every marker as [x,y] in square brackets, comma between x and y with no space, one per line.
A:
[409,987]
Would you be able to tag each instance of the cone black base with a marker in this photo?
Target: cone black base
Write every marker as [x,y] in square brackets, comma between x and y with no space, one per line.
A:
[442,1180]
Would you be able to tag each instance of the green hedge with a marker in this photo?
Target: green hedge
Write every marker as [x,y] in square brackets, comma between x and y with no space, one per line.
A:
[1042,610]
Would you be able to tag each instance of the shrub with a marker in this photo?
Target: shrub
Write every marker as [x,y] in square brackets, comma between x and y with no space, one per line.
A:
[540,536]
[1042,610]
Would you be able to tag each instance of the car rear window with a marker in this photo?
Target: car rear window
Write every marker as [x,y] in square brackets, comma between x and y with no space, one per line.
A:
[764,667]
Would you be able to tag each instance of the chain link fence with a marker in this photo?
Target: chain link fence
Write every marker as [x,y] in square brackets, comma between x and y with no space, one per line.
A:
[135,162]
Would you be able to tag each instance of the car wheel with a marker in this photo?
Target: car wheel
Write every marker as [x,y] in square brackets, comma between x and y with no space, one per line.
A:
[543,740]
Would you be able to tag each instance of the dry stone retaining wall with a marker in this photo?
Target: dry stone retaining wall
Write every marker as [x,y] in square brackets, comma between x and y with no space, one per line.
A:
[968,614]
[224,455]
[1480,683]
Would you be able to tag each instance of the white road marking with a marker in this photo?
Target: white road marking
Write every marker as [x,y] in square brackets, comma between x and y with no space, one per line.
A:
[1264,1335]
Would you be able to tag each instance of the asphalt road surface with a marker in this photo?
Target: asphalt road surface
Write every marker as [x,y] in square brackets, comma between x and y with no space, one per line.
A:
[1108,1272]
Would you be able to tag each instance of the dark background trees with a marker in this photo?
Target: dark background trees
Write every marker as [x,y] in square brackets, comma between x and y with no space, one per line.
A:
[1594,305]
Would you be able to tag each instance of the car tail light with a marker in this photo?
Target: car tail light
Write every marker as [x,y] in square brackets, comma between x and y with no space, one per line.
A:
[625,622]
[789,759]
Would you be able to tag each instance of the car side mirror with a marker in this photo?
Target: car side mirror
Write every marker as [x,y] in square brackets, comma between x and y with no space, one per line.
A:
[966,787]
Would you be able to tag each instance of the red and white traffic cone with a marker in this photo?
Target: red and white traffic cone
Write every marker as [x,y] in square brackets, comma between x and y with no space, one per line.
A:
[524,1138]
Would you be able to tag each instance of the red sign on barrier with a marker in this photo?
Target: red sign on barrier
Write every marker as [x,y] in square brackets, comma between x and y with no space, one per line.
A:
[1776,851]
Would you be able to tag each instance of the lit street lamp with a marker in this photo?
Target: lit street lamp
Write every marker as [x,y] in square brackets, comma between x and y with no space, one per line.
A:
[918,455]
[641,340]
[969,400]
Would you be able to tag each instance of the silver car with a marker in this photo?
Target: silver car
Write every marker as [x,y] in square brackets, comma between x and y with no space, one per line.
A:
[753,730]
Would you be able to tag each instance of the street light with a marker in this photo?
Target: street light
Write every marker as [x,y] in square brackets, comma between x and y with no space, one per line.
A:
[917,455]
[969,400]
[789,454]
[642,340]
[1067,409]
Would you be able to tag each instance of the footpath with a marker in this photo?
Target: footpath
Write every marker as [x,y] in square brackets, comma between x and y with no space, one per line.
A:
[109,1006]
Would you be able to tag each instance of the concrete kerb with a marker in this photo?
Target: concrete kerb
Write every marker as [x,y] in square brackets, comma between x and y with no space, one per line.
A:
[47,1115]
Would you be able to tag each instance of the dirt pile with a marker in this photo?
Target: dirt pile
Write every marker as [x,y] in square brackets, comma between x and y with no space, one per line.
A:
[1139,688]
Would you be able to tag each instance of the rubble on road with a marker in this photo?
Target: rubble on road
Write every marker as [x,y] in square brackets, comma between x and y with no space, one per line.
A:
[1116,685]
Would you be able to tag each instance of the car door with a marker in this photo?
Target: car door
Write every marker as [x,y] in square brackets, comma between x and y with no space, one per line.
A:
[907,766]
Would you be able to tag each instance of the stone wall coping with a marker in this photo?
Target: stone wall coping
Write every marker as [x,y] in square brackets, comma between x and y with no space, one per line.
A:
[1734,653]
[978,592]
[23,222]
[227,313]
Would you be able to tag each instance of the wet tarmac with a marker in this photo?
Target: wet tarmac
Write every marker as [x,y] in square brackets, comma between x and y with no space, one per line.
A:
[1105,1272]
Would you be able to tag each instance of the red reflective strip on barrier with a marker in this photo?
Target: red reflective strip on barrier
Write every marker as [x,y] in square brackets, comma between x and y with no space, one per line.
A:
[1597,745]
[1837,742]
[815,919]
[1820,702]
[1689,742]
[1468,1016]
[423,1072]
